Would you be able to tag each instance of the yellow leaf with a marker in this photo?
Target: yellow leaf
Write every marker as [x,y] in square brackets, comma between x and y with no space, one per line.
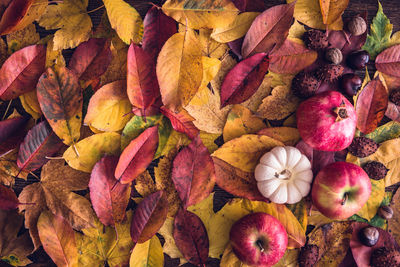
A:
[31,104]
[210,47]
[280,104]
[70,17]
[91,150]
[296,30]
[22,38]
[309,13]
[208,141]
[237,29]
[289,259]
[54,57]
[169,247]
[201,14]
[287,135]
[331,10]
[241,121]
[370,208]
[109,108]
[211,67]
[125,20]
[229,259]
[394,223]
[179,69]
[317,219]
[148,254]
[119,51]
[175,140]
[244,152]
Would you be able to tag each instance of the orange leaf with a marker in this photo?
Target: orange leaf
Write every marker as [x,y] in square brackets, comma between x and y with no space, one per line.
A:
[181,122]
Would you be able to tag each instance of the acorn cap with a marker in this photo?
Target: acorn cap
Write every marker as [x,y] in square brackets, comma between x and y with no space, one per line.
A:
[384,257]
[375,170]
[395,97]
[315,40]
[329,72]
[305,84]
[308,256]
[362,147]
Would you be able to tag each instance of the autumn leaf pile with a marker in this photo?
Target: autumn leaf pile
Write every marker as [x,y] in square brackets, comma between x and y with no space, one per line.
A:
[129,137]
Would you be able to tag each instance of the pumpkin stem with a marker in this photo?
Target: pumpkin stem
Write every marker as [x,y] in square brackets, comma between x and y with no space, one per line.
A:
[341,112]
[284,175]
[260,244]
[345,198]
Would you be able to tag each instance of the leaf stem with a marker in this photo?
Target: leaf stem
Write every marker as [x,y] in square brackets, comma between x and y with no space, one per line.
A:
[96,9]
[8,107]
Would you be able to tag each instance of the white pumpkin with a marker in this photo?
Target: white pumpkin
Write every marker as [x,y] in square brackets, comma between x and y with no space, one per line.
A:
[284,175]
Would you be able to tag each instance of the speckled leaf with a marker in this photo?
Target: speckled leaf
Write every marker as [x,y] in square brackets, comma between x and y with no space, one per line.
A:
[390,130]
[193,173]
[287,135]
[191,237]
[60,98]
[109,197]
[181,122]
[8,199]
[149,216]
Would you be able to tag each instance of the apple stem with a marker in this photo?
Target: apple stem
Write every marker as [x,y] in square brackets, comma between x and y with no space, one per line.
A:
[345,197]
[260,244]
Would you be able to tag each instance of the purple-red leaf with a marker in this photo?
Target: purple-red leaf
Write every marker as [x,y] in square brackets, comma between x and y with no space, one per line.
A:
[193,173]
[388,61]
[91,58]
[8,199]
[318,159]
[371,106]
[158,27]
[142,83]
[109,197]
[137,156]
[14,13]
[268,30]
[21,71]
[393,112]
[40,142]
[250,5]
[243,80]
[149,216]
[191,237]
[181,122]
[12,132]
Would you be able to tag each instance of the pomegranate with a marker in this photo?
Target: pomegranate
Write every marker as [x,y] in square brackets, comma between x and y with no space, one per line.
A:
[327,121]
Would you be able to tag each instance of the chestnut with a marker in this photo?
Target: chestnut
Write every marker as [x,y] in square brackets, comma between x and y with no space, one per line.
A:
[350,83]
[358,59]
[385,212]
[369,236]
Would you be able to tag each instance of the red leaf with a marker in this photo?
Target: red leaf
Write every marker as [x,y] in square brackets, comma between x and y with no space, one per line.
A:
[193,173]
[40,142]
[137,156]
[236,47]
[291,57]
[158,27]
[371,106]
[250,5]
[235,181]
[142,86]
[109,197]
[388,61]
[361,253]
[149,216]
[268,30]
[14,13]
[8,199]
[243,80]
[91,58]
[393,112]
[12,133]
[191,237]
[154,109]
[21,71]
[181,122]
[318,159]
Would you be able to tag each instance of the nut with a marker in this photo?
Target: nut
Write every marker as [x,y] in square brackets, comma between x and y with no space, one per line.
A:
[395,97]
[375,170]
[385,212]
[315,39]
[369,236]
[357,26]
[334,55]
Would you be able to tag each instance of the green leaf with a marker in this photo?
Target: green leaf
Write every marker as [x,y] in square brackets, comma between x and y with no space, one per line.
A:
[379,37]
[388,131]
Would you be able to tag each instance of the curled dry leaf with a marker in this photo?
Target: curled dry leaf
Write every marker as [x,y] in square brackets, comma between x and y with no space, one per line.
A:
[21,71]
[8,199]
[60,98]
[280,104]
[181,122]
[193,173]
[191,237]
[137,156]
[371,106]
[91,59]
[149,216]
[149,253]
[268,30]
[109,197]
[287,135]
[243,80]
[58,239]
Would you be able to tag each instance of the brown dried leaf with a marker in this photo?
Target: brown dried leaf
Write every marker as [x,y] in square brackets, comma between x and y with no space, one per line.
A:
[394,223]
[280,104]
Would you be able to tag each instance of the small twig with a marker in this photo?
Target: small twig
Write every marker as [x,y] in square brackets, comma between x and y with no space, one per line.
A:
[75,150]
[8,107]
[34,175]
[151,3]
[47,157]
[94,10]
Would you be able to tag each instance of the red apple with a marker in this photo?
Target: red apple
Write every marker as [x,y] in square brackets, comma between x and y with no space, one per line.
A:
[340,190]
[258,239]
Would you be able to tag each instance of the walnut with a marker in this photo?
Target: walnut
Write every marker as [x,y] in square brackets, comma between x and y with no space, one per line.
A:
[357,26]
[334,55]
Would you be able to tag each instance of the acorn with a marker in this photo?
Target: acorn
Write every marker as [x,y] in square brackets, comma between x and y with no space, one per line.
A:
[305,84]
[334,55]
[385,257]
[385,212]
[375,170]
[315,40]
[329,72]
[369,236]
[395,97]
[357,26]
[362,147]
[308,256]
